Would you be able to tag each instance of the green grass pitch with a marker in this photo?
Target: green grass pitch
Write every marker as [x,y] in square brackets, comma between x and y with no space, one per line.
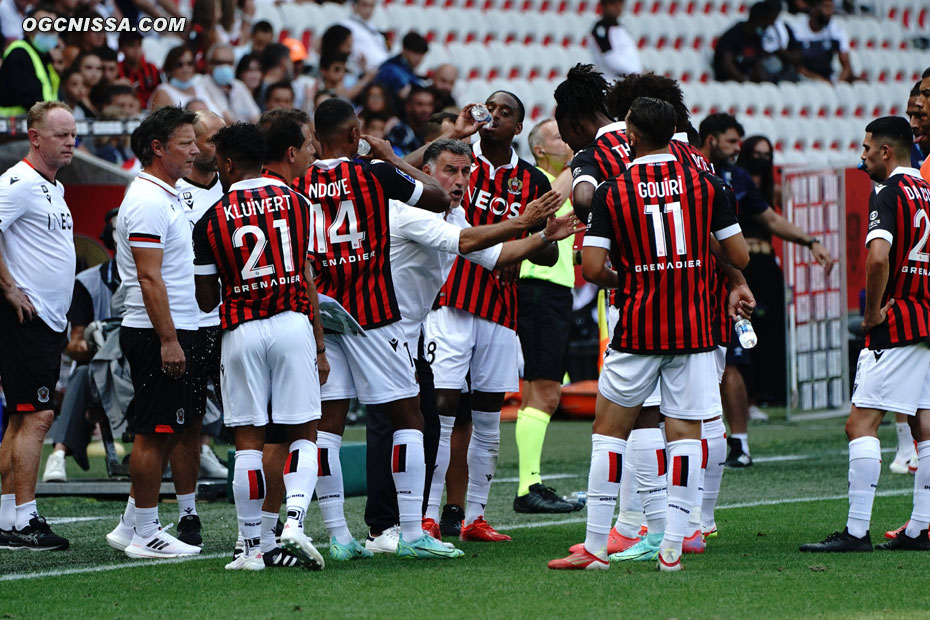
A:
[794,494]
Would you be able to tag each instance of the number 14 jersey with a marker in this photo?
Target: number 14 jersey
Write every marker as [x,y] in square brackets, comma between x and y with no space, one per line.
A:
[351,231]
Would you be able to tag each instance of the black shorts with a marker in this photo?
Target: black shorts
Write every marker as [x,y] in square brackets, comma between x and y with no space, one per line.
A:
[544,320]
[205,367]
[736,354]
[162,404]
[30,361]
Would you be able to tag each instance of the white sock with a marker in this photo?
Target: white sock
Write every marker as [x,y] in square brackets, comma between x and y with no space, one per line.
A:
[694,518]
[920,517]
[7,511]
[269,523]
[300,477]
[26,513]
[630,517]
[743,440]
[408,469]
[603,486]
[905,439]
[684,457]
[438,481]
[715,434]
[146,521]
[483,450]
[249,494]
[186,505]
[650,463]
[865,465]
[329,491]
[129,513]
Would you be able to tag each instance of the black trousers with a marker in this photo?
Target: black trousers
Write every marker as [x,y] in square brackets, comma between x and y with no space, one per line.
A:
[381,504]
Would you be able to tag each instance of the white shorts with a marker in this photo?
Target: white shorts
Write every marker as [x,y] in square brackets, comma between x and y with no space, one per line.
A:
[273,361]
[456,341]
[613,317]
[688,386]
[720,355]
[896,380]
[376,368]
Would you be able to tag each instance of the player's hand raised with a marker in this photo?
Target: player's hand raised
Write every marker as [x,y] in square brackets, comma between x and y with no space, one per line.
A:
[380,149]
[558,228]
[465,124]
[539,210]
[740,302]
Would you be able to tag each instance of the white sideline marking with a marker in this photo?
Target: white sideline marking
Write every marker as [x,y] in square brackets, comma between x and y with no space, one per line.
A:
[60,520]
[106,567]
[764,502]
[549,477]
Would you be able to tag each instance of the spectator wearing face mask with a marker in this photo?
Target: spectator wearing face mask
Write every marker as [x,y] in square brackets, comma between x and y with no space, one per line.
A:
[182,86]
[227,96]
[26,73]
[821,39]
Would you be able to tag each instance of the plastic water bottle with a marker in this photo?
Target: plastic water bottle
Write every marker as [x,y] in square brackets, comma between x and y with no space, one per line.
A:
[363,147]
[746,334]
[480,113]
[578,497]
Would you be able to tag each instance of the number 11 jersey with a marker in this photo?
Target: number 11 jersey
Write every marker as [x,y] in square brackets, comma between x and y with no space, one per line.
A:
[351,233]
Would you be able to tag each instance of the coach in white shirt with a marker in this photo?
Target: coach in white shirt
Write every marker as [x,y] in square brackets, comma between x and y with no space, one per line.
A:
[36,277]
[158,336]
[424,246]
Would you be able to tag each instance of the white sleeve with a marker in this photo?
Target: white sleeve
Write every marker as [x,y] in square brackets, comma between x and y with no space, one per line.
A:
[487,257]
[146,226]
[11,204]
[623,57]
[842,39]
[424,228]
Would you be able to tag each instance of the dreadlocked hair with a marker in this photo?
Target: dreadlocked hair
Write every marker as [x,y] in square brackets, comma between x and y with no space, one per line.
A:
[624,92]
[582,94]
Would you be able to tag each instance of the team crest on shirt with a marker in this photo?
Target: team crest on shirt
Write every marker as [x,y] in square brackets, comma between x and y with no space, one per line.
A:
[179,416]
[515,186]
[188,198]
[42,394]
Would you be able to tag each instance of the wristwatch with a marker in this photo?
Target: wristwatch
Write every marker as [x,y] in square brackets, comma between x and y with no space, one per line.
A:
[811,243]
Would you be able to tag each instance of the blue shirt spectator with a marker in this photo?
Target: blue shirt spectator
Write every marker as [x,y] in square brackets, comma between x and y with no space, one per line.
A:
[398,73]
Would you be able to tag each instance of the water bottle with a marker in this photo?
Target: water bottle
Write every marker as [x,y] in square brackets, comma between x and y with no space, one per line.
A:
[578,497]
[480,113]
[746,334]
[363,147]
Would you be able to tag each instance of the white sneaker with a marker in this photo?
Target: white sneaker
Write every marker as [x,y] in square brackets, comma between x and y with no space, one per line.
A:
[121,536]
[902,463]
[386,542]
[160,545]
[247,562]
[757,415]
[55,467]
[298,543]
[210,466]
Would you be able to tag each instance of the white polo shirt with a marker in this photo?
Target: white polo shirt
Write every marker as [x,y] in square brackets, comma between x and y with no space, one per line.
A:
[37,243]
[151,216]
[423,249]
[195,200]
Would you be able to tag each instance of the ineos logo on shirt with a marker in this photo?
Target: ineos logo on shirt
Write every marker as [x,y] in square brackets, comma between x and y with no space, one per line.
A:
[60,221]
[481,199]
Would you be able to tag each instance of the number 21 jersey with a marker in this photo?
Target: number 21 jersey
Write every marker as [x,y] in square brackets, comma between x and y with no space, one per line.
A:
[351,231]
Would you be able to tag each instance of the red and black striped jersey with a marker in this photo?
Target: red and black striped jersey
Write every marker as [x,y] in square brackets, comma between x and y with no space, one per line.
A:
[605,158]
[899,213]
[145,78]
[494,194]
[256,238]
[655,220]
[351,251]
